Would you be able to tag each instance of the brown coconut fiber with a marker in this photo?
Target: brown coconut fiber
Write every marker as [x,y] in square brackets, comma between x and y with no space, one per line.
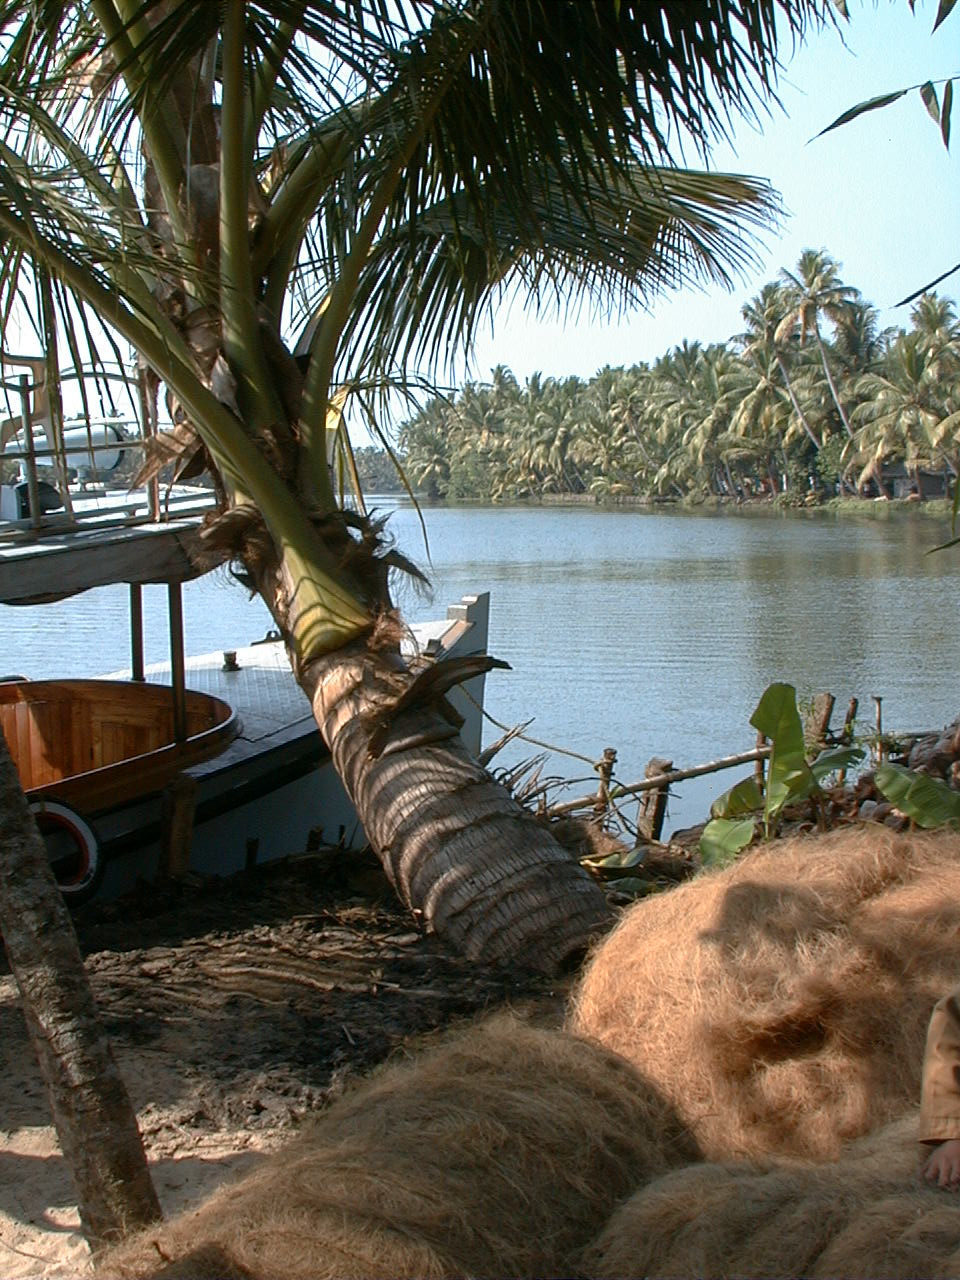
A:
[868,1215]
[500,1153]
[781,1005]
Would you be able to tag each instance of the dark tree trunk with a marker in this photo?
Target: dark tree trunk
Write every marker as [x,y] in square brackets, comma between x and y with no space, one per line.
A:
[91,1109]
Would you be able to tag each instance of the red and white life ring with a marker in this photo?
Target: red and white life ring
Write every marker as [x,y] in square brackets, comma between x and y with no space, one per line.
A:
[73,848]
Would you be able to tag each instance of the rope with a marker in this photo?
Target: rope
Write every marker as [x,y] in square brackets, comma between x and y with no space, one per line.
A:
[534,742]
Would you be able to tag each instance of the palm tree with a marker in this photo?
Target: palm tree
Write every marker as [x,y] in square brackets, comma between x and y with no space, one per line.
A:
[904,409]
[859,344]
[935,320]
[814,290]
[425,444]
[620,456]
[706,417]
[368,178]
[768,340]
[762,417]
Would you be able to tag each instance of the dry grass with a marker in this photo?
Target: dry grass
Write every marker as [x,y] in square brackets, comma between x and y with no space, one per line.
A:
[781,1005]
[867,1216]
[501,1153]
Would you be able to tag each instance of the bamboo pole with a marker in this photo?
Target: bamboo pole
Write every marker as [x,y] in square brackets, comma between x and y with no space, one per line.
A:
[30,457]
[664,779]
[879,705]
[177,664]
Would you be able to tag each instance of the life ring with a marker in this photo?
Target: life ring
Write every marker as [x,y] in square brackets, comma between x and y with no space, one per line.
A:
[72,848]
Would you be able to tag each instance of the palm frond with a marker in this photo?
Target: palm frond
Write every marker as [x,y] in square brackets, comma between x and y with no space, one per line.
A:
[430,280]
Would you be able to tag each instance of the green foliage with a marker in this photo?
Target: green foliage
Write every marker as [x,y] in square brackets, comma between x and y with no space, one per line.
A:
[736,816]
[938,109]
[788,775]
[829,463]
[812,393]
[928,801]
[746,796]
[377,472]
[724,838]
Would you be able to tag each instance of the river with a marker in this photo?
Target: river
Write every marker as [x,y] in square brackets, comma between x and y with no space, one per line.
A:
[652,632]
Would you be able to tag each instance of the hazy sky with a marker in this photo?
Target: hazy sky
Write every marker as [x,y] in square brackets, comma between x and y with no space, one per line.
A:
[881,195]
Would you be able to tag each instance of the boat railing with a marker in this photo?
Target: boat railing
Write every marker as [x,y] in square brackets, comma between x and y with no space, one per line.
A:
[62,470]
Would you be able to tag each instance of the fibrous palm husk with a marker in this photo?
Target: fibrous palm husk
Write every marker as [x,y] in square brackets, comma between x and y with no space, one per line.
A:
[500,1153]
[867,1215]
[781,1005]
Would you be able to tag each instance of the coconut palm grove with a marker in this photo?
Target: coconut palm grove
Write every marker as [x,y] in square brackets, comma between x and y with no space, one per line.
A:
[813,399]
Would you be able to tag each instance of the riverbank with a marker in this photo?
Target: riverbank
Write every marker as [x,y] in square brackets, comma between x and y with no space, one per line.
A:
[874,508]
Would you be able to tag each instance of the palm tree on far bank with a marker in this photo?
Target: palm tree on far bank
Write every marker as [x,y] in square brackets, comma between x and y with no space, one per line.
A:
[812,291]
[903,410]
[768,341]
[934,318]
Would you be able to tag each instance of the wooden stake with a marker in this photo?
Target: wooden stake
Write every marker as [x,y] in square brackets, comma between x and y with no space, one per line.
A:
[846,737]
[604,767]
[653,806]
[817,723]
[758,771]
[879,702]
[177,808]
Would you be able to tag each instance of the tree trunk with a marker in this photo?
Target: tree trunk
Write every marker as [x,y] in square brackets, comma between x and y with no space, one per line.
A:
[91,1109]
[465,857]
[830,383]
[796,405]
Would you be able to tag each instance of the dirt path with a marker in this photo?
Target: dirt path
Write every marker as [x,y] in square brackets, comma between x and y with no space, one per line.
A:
[235,1008]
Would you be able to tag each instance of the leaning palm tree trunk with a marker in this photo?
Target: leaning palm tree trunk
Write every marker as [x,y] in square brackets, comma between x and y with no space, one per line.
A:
[835,396]
[477,868]
[95,1122]
[801,416]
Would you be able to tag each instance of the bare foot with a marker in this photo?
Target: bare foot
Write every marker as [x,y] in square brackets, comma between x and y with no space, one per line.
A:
[942,1166]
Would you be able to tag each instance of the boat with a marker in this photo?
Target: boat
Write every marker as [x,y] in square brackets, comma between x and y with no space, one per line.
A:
[206,764]
[203,765]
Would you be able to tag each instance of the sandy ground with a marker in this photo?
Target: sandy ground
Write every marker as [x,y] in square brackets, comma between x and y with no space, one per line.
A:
[235,1008]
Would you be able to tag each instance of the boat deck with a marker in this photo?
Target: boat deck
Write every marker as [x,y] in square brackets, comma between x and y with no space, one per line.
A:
[261,690]
[274,711]
[58,562]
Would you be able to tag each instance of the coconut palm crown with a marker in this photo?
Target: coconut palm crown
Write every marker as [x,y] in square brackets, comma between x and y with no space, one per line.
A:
[287,207]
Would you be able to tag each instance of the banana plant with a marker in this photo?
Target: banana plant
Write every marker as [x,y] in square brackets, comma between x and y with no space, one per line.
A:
[751,807]
[927,801]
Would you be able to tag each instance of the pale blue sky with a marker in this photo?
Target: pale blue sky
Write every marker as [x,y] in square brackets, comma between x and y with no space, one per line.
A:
[881,195]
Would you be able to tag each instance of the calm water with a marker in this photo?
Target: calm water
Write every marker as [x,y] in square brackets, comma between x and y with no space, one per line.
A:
[653,633]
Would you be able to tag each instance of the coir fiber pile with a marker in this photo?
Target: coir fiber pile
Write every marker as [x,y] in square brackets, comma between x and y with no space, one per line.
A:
[501,1153]
[781,1005]
[868,1215]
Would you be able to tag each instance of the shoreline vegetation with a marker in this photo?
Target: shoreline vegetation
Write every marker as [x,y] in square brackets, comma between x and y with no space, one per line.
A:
[812,404]
[871,508]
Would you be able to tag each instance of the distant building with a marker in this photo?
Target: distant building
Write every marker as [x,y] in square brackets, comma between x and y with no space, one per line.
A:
[900,482]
